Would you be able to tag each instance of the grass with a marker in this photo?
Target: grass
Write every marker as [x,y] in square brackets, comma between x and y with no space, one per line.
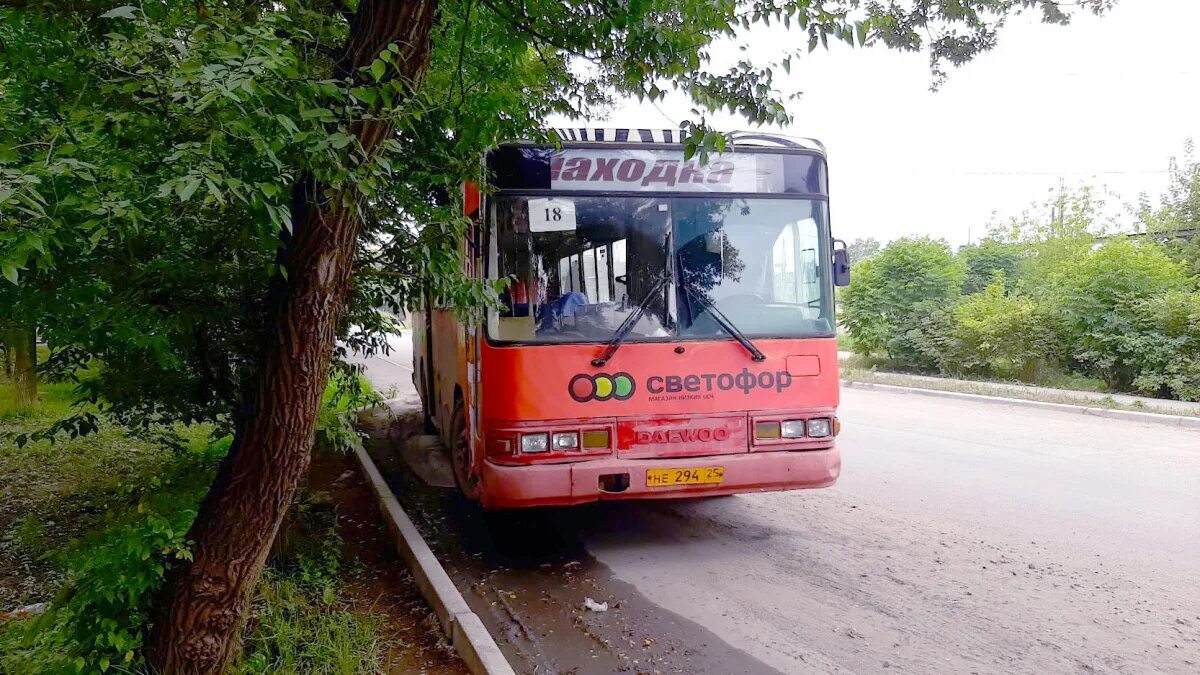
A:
[301,621]
[54,493]
[83,523]
[295,631]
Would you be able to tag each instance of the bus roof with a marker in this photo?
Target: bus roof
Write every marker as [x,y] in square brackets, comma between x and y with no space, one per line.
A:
[583,135]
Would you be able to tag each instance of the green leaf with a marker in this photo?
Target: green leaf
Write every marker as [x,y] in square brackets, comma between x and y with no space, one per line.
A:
[125,12]
[10,271]
[365,94]
[378,68]
[187,190]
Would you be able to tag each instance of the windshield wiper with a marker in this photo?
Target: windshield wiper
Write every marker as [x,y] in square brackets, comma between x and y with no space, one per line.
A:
[730,328]
[724,322]
[626,326]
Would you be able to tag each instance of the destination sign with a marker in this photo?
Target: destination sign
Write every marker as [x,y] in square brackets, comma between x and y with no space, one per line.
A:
[622,169]
[663,170]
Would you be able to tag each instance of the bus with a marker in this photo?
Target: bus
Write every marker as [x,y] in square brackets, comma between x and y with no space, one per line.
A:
[666,329]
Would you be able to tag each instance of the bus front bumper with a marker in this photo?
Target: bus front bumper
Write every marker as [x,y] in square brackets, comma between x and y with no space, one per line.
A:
[506,487]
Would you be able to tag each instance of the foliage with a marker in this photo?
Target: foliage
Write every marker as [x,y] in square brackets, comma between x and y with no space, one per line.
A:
[861,249]
[97,622]
[1051,298]
[1169,355]
[1101,305]
[1055,238]
[989,261]
[1001,335]
[145,484]
[347,391]
[879,308]
[1176,223]
[924,339]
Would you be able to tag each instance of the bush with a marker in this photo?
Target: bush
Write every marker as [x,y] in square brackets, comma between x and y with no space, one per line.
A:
[1001,335]
[1168,346]
[880,307]
[988,262]
[925,340]
[1103,306]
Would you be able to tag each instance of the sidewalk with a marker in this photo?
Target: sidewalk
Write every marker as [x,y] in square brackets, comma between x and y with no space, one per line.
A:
[1013,390]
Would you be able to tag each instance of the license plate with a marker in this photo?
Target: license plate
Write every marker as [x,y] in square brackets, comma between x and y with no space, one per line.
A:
[697,476]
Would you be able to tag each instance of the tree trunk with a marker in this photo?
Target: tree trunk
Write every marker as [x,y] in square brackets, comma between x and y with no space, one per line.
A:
[203,603]
[7,368]
[22,342]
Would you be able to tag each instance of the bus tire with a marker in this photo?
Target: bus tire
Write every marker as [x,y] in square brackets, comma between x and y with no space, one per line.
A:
[460,456]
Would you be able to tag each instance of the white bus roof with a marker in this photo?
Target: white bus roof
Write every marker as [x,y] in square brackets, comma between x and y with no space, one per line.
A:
[572,135]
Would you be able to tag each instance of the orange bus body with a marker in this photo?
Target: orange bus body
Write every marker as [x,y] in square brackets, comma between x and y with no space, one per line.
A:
[666,419]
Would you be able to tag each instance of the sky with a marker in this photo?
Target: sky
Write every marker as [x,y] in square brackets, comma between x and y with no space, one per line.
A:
[1104,101]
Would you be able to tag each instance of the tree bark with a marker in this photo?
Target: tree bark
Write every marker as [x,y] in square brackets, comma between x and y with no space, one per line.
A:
[203,603]
[7,367]
[22,343]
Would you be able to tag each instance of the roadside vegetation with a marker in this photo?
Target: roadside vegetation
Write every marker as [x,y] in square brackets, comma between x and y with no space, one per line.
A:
[87,524]
[1060,302]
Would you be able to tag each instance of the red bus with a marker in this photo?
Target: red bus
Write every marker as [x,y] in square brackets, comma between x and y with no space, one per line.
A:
[667,329]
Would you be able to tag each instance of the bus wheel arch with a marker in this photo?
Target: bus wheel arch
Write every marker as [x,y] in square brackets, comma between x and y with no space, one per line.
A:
[462,459]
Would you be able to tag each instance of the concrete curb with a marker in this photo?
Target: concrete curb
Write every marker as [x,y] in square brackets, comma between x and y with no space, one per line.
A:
[464,629]
[1127,415]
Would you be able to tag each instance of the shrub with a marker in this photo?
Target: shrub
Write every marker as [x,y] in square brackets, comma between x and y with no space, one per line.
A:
[1001,335]
[926,338]
[880,307]
[1103,305]
[987,262]
[1168,346]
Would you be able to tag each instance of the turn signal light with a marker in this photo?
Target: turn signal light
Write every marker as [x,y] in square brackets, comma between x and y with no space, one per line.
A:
[766,430]
[597,438]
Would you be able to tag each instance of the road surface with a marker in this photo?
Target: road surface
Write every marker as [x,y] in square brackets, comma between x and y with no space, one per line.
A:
[961,538]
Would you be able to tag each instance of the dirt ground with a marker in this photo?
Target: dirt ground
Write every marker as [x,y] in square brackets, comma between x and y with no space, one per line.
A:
[528,577]
[381,583]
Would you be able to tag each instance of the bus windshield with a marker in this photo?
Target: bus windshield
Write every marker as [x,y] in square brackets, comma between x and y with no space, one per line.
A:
[578,267]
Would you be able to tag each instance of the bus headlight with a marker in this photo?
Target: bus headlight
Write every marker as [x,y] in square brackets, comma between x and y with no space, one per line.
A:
[793,428]
[820,427]
[535,442]
[565,440]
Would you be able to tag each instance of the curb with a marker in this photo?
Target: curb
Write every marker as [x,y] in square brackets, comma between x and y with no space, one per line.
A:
[464,629]
[1184,421]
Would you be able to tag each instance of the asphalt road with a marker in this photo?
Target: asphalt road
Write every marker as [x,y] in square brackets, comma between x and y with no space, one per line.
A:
[961,538]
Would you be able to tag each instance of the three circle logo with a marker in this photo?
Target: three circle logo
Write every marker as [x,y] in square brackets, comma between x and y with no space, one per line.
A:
[601,387]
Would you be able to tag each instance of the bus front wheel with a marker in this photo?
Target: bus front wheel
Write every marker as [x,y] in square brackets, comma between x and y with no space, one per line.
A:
[460,456]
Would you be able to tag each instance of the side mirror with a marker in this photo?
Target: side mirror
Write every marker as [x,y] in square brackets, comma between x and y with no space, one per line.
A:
[841,263]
